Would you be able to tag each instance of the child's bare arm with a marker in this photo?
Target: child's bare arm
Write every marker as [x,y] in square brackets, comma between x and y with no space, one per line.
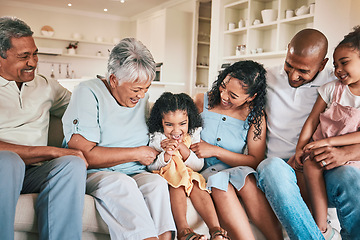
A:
[184,151]
[309,128]
[337,141]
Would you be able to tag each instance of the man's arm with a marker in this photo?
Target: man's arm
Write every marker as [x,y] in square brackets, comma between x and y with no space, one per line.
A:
[35,154]
[336,156]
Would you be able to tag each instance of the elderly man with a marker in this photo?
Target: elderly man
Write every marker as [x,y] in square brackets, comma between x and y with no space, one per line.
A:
[27,164]
[292,91]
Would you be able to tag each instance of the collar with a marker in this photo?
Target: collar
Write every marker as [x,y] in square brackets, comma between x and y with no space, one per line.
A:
[4,82]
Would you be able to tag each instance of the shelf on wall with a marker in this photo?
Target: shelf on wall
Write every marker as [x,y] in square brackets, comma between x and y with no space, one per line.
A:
[205,19]
[82,56]
[257,55]
[204,43]
[307,18]
[202,67]
[167,83]
[73,40]
[237,5]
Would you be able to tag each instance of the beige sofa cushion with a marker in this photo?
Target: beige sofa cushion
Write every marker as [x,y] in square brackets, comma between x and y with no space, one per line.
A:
[25,219]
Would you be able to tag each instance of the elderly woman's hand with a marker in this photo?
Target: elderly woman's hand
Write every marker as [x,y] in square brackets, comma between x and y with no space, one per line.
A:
[146,155]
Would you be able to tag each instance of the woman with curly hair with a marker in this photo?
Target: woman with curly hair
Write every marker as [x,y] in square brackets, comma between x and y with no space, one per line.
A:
[174,124]
[234,119]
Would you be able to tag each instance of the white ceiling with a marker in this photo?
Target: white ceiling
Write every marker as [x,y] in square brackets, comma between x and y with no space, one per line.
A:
[128,9]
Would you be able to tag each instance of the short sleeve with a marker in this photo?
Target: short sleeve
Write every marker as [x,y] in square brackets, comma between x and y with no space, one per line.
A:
[61,98]
[326,91]
[81,116]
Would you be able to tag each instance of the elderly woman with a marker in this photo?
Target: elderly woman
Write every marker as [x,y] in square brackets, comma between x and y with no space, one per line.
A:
[106,121]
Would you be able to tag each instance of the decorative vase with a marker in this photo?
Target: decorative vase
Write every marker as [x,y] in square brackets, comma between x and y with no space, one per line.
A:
[71,51]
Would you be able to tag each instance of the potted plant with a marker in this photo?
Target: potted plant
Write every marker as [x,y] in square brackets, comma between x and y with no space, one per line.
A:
[71,48]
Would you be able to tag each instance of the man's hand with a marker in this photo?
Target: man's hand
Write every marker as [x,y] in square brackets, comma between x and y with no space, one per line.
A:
[330,157]
[59,152]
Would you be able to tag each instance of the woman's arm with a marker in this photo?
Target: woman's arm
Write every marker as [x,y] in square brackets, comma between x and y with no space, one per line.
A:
[252,159]
[256,146]
[102,157]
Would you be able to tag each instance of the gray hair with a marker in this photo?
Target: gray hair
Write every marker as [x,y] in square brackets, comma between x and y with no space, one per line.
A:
[11,27]
[131,61]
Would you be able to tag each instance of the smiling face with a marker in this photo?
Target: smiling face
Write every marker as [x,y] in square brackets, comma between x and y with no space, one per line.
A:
[128,94]
[21,61]
[347,65]
[233,94]
[302,69]
[175,124]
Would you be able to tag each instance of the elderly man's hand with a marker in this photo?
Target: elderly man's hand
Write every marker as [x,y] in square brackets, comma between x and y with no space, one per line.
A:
[59,152]
[146,155]
[330,157]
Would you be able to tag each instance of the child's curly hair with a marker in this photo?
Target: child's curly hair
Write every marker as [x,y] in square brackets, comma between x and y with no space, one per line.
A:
[169,102]
[253,78]
[352,40]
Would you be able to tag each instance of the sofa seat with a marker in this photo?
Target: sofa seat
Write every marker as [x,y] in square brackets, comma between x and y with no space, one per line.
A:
[26,224]
[93,225]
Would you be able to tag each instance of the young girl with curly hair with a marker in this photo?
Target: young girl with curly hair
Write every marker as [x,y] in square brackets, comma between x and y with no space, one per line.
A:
[234,119]
[174,124]
[333,121]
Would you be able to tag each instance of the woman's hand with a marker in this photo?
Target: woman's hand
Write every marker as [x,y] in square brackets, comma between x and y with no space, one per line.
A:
[203,149]
[146,155]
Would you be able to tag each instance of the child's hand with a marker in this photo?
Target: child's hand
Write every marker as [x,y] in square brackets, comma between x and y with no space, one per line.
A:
[170,146]
[316,144]
[296,162]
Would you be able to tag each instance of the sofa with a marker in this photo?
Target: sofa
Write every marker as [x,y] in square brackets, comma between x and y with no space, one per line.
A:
[93,226]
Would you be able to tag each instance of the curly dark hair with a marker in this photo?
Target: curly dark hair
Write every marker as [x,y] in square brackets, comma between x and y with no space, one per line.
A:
[169,102]
[352,39]
[253,77]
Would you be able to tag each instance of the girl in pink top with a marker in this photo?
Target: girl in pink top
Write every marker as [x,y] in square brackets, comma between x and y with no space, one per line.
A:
[333,121]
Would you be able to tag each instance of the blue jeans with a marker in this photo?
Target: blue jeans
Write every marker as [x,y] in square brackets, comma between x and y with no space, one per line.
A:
[61,187]
[343,188]
[278,181]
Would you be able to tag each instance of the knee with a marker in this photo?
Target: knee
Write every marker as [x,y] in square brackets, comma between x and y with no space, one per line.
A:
[74,167]
[311,168]
[275,173]
[343,180]
[270,168]
[156,183]
[11,162]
